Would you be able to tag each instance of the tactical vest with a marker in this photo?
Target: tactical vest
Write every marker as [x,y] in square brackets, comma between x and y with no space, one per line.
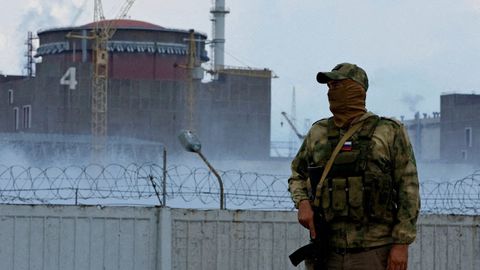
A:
[356,189]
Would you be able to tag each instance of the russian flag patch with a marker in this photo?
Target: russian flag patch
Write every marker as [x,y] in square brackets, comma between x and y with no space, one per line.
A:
[347,146]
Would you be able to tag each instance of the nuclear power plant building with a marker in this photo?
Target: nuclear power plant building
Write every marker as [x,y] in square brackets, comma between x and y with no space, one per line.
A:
[155,90]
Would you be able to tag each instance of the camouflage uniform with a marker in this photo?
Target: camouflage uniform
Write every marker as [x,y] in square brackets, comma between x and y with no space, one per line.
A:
[387,213]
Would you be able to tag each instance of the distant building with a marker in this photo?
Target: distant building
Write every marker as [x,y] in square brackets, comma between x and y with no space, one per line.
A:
[424,134]
[460,128]
[451,136]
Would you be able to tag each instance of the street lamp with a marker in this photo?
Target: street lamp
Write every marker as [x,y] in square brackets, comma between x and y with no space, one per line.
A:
[191,143]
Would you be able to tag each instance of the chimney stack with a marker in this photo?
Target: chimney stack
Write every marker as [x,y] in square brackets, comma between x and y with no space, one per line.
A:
[218,36]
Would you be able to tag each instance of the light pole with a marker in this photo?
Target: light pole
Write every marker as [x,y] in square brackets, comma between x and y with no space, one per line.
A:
[191,143]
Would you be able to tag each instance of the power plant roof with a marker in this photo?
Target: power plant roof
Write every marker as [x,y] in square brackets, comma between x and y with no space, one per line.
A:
[126,24]
[120,24]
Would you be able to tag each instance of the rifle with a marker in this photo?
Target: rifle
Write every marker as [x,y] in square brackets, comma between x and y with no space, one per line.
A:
[317,250]
[304,253]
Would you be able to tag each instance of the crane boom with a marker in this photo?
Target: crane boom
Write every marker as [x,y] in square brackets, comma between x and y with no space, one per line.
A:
[98,12]
[300,136]
[111,28]
[79,12]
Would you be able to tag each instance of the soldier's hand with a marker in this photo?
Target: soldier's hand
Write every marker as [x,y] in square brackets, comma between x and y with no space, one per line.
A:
[398,257]
[305,217]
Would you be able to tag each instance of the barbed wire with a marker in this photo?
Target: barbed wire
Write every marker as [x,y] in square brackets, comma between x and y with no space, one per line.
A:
[135,184]
[460,196]
[242,189]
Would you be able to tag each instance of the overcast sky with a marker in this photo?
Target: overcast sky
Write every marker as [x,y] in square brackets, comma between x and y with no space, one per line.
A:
[413,51]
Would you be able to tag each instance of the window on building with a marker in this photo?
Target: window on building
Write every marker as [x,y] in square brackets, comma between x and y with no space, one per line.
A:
[15,118]
[468,137]
[10,96]
[464,154]
[27,116]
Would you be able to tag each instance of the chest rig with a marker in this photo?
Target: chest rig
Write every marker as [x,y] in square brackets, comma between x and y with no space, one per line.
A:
[352,191]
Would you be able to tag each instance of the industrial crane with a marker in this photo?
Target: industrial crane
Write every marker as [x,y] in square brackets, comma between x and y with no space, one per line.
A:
[103,31]
[191,64]
[299,135]
[194,71]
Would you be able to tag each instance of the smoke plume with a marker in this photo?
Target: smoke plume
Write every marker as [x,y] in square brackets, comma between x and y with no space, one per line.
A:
[412,101]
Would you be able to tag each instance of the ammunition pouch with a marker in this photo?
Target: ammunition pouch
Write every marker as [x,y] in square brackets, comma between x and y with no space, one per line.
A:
[381,195]
[343,198]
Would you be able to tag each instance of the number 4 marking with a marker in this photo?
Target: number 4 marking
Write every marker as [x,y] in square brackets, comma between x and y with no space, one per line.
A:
[70,78]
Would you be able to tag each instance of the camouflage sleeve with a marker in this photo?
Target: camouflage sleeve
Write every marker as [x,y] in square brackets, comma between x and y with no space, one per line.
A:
[407,187]
[297,183]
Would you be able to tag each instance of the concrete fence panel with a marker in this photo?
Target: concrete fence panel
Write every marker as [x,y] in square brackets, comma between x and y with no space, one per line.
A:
[239,240]
[446,242]
[148,238]
[77,238]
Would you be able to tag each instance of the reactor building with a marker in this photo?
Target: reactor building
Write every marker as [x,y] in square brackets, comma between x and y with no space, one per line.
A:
[155,90]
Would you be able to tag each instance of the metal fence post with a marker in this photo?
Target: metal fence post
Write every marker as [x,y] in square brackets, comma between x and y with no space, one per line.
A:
[76,196]
[164,180]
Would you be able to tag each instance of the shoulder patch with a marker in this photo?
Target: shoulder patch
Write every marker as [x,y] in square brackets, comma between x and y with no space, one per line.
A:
[321,122]
[392,120]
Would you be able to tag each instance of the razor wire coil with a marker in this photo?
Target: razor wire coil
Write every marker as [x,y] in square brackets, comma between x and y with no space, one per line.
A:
[192,188]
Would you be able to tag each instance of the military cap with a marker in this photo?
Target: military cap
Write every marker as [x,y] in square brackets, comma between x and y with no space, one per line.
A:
[345,71]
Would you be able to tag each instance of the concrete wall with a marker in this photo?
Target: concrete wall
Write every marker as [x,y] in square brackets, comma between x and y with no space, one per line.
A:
[232,113]
[76,237]
[460,112]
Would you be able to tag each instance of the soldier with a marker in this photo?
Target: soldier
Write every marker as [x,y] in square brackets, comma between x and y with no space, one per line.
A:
[367,195]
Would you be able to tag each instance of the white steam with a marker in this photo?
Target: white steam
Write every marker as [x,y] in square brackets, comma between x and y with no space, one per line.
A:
[41,15]
[10,156]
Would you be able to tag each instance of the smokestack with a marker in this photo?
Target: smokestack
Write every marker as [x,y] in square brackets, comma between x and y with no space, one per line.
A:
[218,35]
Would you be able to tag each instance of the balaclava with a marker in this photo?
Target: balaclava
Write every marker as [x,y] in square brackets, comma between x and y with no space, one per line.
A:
[347,101]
